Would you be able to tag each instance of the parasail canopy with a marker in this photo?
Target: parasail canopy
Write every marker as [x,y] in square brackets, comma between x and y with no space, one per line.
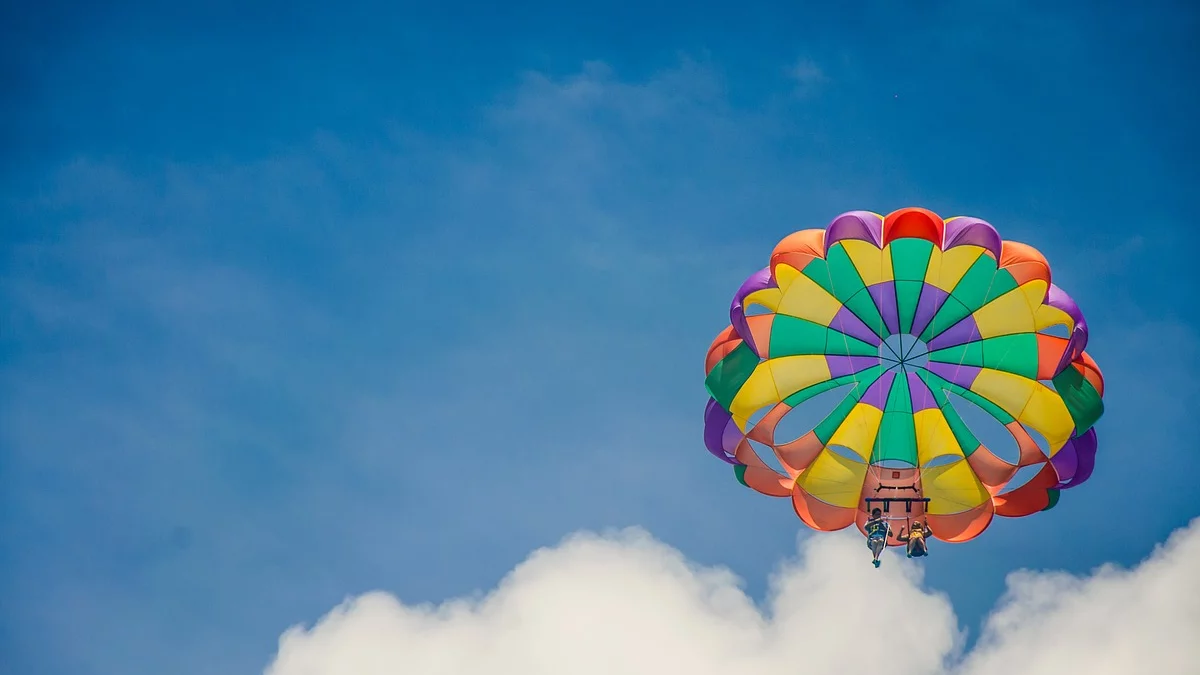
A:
[904,313]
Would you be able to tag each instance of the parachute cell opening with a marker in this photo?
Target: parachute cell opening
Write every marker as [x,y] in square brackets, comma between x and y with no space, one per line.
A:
[987,429]
[1022,478]
[1058,330]
[811,412]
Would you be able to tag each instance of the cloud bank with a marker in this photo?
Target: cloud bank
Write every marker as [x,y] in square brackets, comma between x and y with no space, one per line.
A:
[626,603]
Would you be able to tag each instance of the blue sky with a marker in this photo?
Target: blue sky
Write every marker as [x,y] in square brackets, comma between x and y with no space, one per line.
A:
[303,301]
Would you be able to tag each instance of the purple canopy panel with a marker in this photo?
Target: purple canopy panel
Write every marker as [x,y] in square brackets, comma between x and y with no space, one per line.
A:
[1058,299]
[959,334]
[966,231]
[716,419]
[731,437]
[884,295]
[932,299]
[840,366]
[862,225]
[737,312]
[1085,446]
[1065,462]
[847,322]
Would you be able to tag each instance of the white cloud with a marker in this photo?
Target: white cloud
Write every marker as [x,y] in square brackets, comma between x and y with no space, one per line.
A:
[626,603]
[1144,620]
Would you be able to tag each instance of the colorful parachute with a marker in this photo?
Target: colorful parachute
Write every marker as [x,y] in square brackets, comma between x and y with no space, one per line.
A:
[904,311]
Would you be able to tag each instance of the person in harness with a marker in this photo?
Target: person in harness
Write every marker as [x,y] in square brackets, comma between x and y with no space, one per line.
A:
[915,538]
[877,530]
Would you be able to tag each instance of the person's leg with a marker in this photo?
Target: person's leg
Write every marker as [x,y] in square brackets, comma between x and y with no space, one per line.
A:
[876,544]
[916,548]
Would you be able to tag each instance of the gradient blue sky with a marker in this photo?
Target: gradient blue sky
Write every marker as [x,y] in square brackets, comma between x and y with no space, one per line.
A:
[303,300]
